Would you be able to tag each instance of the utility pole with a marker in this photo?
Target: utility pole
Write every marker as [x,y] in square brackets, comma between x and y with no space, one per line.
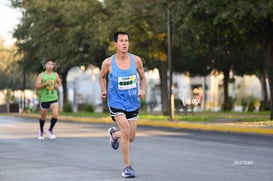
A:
[169,35]
[24,82]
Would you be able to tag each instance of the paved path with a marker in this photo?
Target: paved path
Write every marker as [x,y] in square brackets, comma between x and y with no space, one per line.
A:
[81,152]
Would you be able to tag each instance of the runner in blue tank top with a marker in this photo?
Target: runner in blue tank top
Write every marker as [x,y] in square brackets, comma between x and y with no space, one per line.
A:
[123,87]
[123,70]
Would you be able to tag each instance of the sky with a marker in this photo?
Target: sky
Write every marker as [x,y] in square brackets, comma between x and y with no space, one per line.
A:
[9,18]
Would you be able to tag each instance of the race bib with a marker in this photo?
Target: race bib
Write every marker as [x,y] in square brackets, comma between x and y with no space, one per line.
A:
[125,83]
[50,85]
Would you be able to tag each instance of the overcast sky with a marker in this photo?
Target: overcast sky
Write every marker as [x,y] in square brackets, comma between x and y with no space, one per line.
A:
[8,20]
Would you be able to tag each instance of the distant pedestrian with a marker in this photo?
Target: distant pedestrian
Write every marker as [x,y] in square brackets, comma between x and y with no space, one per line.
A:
[123,70]
[47,84]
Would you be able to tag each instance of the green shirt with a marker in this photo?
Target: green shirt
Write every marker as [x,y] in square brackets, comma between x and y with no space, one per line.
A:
[49,93]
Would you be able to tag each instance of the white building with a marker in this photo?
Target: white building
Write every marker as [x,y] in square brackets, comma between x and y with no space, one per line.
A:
[83,87]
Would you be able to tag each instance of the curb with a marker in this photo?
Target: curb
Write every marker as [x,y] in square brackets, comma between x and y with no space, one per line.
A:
[236,128]
[208,127]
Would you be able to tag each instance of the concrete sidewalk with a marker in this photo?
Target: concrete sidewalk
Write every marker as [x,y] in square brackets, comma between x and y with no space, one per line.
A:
[264,127]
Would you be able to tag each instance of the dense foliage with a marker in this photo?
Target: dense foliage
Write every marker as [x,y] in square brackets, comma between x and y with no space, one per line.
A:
[218,35]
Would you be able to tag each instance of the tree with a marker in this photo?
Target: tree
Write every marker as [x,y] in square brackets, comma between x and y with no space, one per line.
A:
[214,43]
[253,21]
[208,34]
[226,29]
[66,31]
[10,69]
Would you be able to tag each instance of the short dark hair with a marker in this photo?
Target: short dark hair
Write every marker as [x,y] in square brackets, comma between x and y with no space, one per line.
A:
[49,59]
[119,33]
[46,60]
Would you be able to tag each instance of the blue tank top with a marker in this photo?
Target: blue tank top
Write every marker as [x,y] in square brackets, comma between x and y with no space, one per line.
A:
[123,87]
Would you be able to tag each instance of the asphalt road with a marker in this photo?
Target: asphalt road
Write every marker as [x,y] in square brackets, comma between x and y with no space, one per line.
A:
[82,152]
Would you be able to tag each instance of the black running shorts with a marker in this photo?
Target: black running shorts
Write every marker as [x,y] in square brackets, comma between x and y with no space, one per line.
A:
[46,105]
[131,116]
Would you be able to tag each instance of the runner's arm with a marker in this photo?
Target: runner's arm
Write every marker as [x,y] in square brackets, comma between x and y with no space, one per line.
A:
[59,82]
[39,84]
[142,83]
[102,77]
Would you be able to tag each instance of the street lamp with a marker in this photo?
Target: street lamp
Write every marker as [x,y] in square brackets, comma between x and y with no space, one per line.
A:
[24,82]
[169,35]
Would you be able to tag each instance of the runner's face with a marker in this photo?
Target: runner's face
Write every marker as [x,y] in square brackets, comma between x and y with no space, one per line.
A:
[122,43]
[49,65]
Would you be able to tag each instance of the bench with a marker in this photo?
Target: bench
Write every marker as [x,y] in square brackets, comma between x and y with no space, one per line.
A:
[185,107]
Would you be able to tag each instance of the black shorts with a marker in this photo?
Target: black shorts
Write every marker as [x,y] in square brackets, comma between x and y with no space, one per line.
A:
[46,105]
[131,116]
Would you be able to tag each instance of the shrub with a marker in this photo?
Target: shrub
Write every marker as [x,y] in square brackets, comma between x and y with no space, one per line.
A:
[229,106]
[244,105]
[67,107]
[88,107]
[264,107]
[251,106]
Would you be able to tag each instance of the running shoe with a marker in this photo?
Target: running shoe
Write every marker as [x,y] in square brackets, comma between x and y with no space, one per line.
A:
[114,142]
[128,172]
[41,136]
[51,135]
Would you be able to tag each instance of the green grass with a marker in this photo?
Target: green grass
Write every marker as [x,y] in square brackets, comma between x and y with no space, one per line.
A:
[85,114]
[213,116]
[197,117]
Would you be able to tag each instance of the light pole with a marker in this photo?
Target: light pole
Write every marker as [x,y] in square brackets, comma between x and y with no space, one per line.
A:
[169,35]
[24,82]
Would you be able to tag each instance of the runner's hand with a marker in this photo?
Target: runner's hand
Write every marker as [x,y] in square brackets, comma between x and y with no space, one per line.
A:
[103,95]
[141,94]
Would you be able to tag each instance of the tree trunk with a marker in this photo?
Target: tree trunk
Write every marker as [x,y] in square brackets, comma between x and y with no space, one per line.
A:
[264,90]
[64,82]
[269,71]
[226,106]
[164,87]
